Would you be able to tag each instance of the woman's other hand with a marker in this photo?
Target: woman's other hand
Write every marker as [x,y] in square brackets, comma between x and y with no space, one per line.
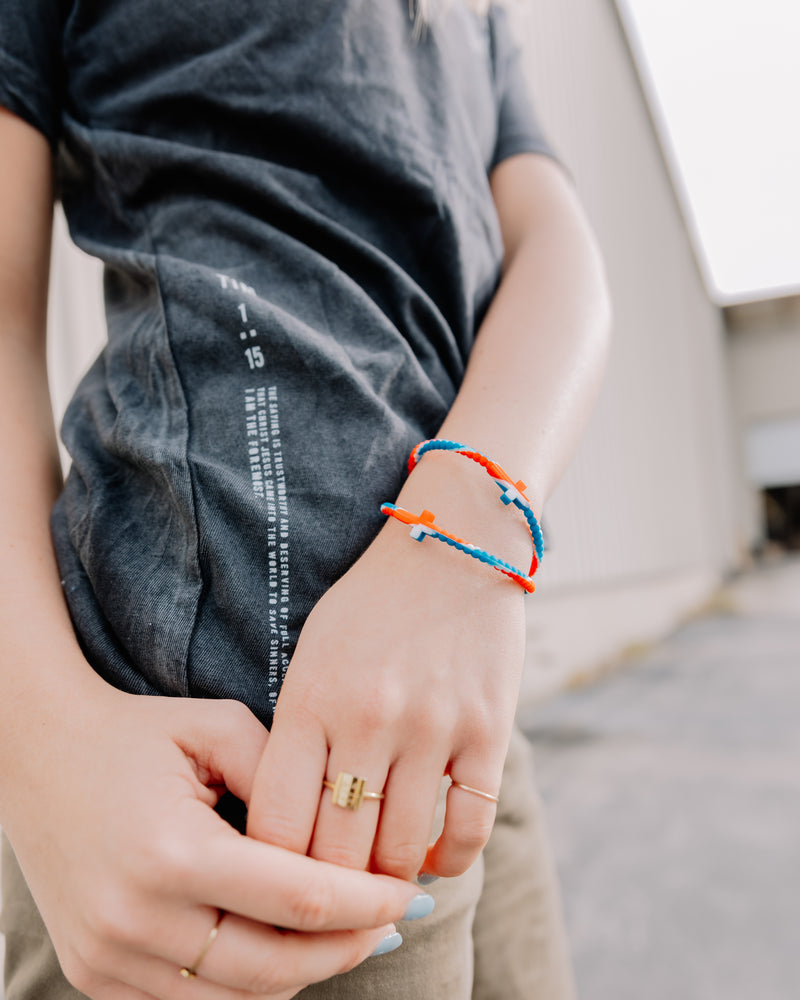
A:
[130,866]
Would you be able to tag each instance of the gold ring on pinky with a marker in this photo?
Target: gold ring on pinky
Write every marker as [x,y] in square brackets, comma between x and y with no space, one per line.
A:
[349,792]
[475,791]
[190,971]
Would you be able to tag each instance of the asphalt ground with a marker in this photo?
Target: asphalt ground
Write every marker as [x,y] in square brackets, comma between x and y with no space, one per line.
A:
[672,789]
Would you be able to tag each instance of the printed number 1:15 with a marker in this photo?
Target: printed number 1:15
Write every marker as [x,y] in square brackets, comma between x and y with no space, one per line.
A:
[254,357]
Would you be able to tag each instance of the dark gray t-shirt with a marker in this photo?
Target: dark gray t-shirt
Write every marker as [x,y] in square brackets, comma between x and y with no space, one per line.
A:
[292,204]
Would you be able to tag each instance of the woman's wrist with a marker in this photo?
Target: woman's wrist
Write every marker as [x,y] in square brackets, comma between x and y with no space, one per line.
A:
[51,704]
[466,503]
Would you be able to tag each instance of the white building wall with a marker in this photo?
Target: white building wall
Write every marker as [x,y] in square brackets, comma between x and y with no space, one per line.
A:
[764,365]
[76,322]
[643,523]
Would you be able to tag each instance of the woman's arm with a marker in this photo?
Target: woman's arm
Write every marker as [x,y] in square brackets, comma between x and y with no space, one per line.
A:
[409,666]
[540,354]
[538,358]
[108,798]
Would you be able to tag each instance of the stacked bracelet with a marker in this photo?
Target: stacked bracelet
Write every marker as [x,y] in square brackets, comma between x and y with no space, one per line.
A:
[512,493]
[423,525]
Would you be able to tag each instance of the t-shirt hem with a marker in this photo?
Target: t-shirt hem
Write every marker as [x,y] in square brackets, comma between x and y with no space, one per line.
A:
[513,145]
[21,94]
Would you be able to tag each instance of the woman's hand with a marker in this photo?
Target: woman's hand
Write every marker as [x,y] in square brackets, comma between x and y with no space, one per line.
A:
[130,865]
[407,669]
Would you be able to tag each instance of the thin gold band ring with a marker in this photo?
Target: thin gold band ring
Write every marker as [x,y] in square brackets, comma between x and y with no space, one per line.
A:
[476,791]
[190,971]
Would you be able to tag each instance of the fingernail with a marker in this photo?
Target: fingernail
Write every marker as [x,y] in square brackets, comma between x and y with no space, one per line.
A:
[425,879]
[390,943]
[420,906]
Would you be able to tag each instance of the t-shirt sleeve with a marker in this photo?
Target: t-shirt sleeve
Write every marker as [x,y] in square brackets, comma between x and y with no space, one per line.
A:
[518,129]
[30,62]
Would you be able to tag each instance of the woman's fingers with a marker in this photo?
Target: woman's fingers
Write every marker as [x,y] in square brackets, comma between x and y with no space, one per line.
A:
[407,814]
[157,979]
[245,959]
[107,990]
[469,818]
[232,957]
[164,982]
[344,835]
[288,782]
[290,920]
[276,886]
[267,961]
[224,739]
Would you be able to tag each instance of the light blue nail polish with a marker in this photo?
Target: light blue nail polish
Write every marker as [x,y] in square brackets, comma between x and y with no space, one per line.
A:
[425,879]
[420,906]
[390,943]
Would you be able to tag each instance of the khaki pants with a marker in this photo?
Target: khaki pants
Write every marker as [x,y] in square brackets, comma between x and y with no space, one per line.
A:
[495,934]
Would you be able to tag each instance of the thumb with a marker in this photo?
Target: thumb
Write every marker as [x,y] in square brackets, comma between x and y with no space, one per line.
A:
[225,741]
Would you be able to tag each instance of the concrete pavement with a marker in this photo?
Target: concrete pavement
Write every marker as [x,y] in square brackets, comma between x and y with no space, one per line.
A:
[673,795]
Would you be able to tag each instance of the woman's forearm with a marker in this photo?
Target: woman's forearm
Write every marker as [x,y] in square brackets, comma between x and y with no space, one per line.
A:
[540,353]
[536,366]
[42,672]
[43,675]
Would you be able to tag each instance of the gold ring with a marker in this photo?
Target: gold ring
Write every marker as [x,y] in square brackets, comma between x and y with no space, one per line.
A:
[475,791]
[190,971]
[349,791]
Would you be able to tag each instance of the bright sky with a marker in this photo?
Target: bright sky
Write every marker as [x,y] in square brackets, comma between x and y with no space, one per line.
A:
[724,82]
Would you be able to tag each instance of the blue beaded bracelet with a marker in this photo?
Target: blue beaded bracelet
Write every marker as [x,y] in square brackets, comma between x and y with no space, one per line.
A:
[511,492]
[423,526]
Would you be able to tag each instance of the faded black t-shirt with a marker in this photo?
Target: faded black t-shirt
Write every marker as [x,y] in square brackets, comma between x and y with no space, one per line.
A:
[292,204]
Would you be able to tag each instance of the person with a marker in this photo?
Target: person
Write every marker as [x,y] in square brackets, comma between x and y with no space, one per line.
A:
[327,237]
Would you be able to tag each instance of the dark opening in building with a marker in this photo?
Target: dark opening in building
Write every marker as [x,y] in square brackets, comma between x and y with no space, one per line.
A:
[782,514]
